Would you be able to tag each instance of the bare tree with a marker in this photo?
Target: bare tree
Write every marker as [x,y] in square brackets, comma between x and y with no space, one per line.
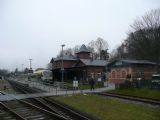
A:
[143,41]
[75,49]
[101,44]
[49,66]
[104,55]
[150,20]
[68,51]
[113,55]
[99,47]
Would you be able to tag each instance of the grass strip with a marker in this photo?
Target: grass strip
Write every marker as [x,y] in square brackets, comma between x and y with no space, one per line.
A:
[143,92]
[110,109]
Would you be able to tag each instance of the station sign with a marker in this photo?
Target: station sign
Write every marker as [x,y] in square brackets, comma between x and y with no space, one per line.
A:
[75,83]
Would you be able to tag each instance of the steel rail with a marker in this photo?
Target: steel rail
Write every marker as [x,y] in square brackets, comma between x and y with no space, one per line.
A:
[138,99]
[13,112]
[46,106]
[74,113]
[44,110]
[3,93]
[71,113]
[23,89]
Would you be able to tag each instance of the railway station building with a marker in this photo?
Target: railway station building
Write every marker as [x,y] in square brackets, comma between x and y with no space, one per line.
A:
[80,65]
[125,69]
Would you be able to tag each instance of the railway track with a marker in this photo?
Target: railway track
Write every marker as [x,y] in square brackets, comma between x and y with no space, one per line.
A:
[132,98]
[5,113]
[26,111]
[2,93]
[24,88]
[57,108]
[51,105]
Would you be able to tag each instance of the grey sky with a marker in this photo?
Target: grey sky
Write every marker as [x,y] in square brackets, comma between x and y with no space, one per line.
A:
[36,28]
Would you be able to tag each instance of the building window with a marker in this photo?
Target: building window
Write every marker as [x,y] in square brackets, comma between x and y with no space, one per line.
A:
[118,63]
[92,75]
[99,75]
[113,74]
[124,74]
[128,76]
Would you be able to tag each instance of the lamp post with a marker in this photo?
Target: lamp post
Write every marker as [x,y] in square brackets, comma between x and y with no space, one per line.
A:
[83,80]
[62,67]
[52,62]
[22,67]
[84,75]
[30,70]
[30,60]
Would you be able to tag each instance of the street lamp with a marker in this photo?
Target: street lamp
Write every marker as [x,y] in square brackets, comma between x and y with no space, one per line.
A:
[52,62]
[62,67]
[84,75]
[22,67]
[30,70]
[30,60]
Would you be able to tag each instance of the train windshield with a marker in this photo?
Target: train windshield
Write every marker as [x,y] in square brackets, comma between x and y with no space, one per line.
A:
[47,73]
[155,77]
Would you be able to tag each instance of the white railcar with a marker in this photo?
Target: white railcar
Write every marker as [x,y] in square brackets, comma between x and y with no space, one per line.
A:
[43,74]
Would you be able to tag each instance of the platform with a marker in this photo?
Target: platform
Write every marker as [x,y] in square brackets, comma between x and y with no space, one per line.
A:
[8,97]
[50,91]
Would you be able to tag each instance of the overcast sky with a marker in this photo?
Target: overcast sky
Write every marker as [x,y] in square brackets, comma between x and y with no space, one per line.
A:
[37,28]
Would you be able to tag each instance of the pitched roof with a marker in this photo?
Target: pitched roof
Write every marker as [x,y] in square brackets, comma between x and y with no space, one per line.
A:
[83,48]
[89,62]
[138,61]
[52,60]
[131,61]
[66,57]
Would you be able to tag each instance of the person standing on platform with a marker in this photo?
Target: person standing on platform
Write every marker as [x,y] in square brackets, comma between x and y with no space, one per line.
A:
[92,83]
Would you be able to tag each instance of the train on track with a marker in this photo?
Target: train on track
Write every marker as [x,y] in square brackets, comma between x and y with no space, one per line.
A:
[155,82]
[43,74]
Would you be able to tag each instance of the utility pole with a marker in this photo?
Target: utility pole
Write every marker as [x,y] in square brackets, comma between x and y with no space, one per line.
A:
[30,60]
[62,67]
[22,67]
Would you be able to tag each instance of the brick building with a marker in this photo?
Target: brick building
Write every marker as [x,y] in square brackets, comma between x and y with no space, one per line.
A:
[80,65]
[121,70]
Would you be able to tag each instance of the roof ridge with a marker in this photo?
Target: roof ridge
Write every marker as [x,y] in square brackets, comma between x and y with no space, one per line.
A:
[83,48]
